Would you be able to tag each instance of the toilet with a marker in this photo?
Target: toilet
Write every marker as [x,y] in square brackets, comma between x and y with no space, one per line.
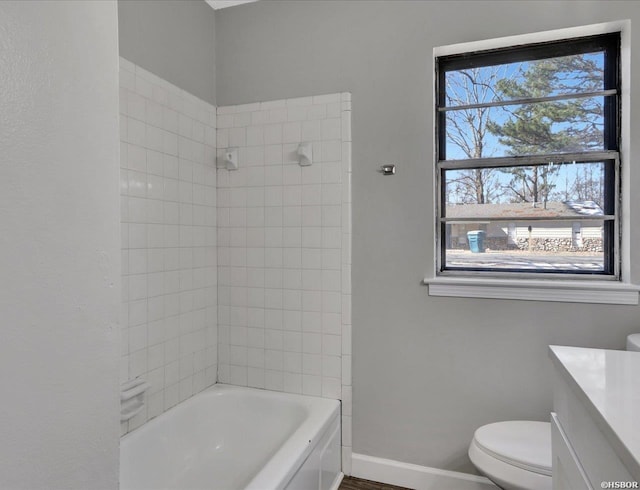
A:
[516,455]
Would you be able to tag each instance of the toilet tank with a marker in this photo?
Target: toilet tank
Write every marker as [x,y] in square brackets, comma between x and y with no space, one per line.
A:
[633,342]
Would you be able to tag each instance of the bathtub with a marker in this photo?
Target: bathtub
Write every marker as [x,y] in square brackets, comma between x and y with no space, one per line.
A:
[229,437]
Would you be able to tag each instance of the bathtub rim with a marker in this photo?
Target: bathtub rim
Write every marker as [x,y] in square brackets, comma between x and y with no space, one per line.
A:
[280,469]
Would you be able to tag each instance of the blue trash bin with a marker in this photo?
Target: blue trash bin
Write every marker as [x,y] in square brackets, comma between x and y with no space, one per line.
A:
[476,241]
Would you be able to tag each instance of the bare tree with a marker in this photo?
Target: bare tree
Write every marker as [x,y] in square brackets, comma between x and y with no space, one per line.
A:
[467,131]
[589,183]
[584,183]
[531,184]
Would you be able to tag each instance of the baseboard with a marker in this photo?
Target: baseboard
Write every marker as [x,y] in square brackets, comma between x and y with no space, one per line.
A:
[415,476]
[337,482]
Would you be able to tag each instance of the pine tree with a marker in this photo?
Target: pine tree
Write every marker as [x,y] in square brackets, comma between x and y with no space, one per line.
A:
[572,125]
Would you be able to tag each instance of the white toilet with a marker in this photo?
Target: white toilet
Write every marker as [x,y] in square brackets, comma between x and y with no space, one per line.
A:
[516,455]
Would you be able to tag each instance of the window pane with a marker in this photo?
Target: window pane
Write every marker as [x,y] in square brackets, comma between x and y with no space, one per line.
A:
[539,78]
[521,245]
[568,189]
[573,125]
[544,216]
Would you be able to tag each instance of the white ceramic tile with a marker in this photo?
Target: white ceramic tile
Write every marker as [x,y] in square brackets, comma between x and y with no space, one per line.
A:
[346,372]
[237,137]
[311,321]
[331,129]
[272,134]
[198,131]
[311,237]
[222,137]
[297,113]
[273,175]
[292,320]
[331,172]
[317,111]
[311,385]
[255,377]
[292,258]
[332,367]
[273,154]
[278,115]
[292,382]
[332,324]
[291,132]
[292,362]
[136,158]
[167,323]
[331,194]
[154,113]
[346,425]
[294,222]
[331,388]
[252,155]
[292,195]
[292,237]
[312,174]
[291,175]
[274,380]
[311,194]
[311,130]
[290,153]
[255,136]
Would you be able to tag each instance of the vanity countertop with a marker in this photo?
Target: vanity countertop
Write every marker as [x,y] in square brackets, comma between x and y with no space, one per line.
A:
[608,384]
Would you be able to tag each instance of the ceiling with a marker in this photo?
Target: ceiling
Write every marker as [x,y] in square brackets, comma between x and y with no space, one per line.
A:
[221,4]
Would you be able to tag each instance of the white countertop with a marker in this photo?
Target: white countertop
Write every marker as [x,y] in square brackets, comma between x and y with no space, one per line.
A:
[608,383]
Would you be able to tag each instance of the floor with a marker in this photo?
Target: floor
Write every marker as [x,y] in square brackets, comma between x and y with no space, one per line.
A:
[350,483]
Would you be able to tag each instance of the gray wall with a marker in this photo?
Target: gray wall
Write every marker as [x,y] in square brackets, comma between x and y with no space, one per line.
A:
[173,39]
[427,371]
[60,245]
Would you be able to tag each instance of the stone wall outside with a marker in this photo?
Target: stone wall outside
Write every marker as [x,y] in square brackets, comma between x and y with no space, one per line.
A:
[537,244]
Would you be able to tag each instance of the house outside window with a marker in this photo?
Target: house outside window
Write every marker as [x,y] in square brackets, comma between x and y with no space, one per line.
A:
[528,160]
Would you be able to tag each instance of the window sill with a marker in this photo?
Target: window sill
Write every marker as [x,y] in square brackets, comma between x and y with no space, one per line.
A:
[600,292]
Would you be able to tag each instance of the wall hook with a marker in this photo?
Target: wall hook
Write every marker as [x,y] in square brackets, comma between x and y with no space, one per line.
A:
[305,153]
[231,158]
[389,169]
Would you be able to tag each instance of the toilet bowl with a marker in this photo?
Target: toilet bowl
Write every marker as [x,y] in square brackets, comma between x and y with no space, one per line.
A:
[516,455]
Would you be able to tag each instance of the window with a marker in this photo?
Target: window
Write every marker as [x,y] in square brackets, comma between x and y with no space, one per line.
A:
[528,164]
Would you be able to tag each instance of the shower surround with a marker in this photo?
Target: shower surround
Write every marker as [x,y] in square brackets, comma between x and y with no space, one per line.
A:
[284,249]
[234,276]
[168,206]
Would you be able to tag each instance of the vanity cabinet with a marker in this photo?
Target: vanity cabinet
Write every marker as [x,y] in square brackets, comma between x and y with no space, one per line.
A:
[567,470]
[595,425]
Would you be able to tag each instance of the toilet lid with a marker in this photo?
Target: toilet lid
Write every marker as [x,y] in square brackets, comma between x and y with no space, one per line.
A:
[524,444]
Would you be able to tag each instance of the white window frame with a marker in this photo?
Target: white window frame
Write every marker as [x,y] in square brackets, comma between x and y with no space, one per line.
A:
[600,290]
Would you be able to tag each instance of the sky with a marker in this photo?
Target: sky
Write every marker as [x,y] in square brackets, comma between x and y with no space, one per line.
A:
[460,89]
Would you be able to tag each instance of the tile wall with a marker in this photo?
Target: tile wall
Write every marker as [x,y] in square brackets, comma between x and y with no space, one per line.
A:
[284,249]
[169,260]
[244,276]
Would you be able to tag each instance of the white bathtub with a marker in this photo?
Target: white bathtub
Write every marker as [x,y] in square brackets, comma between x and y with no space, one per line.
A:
[229,437]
